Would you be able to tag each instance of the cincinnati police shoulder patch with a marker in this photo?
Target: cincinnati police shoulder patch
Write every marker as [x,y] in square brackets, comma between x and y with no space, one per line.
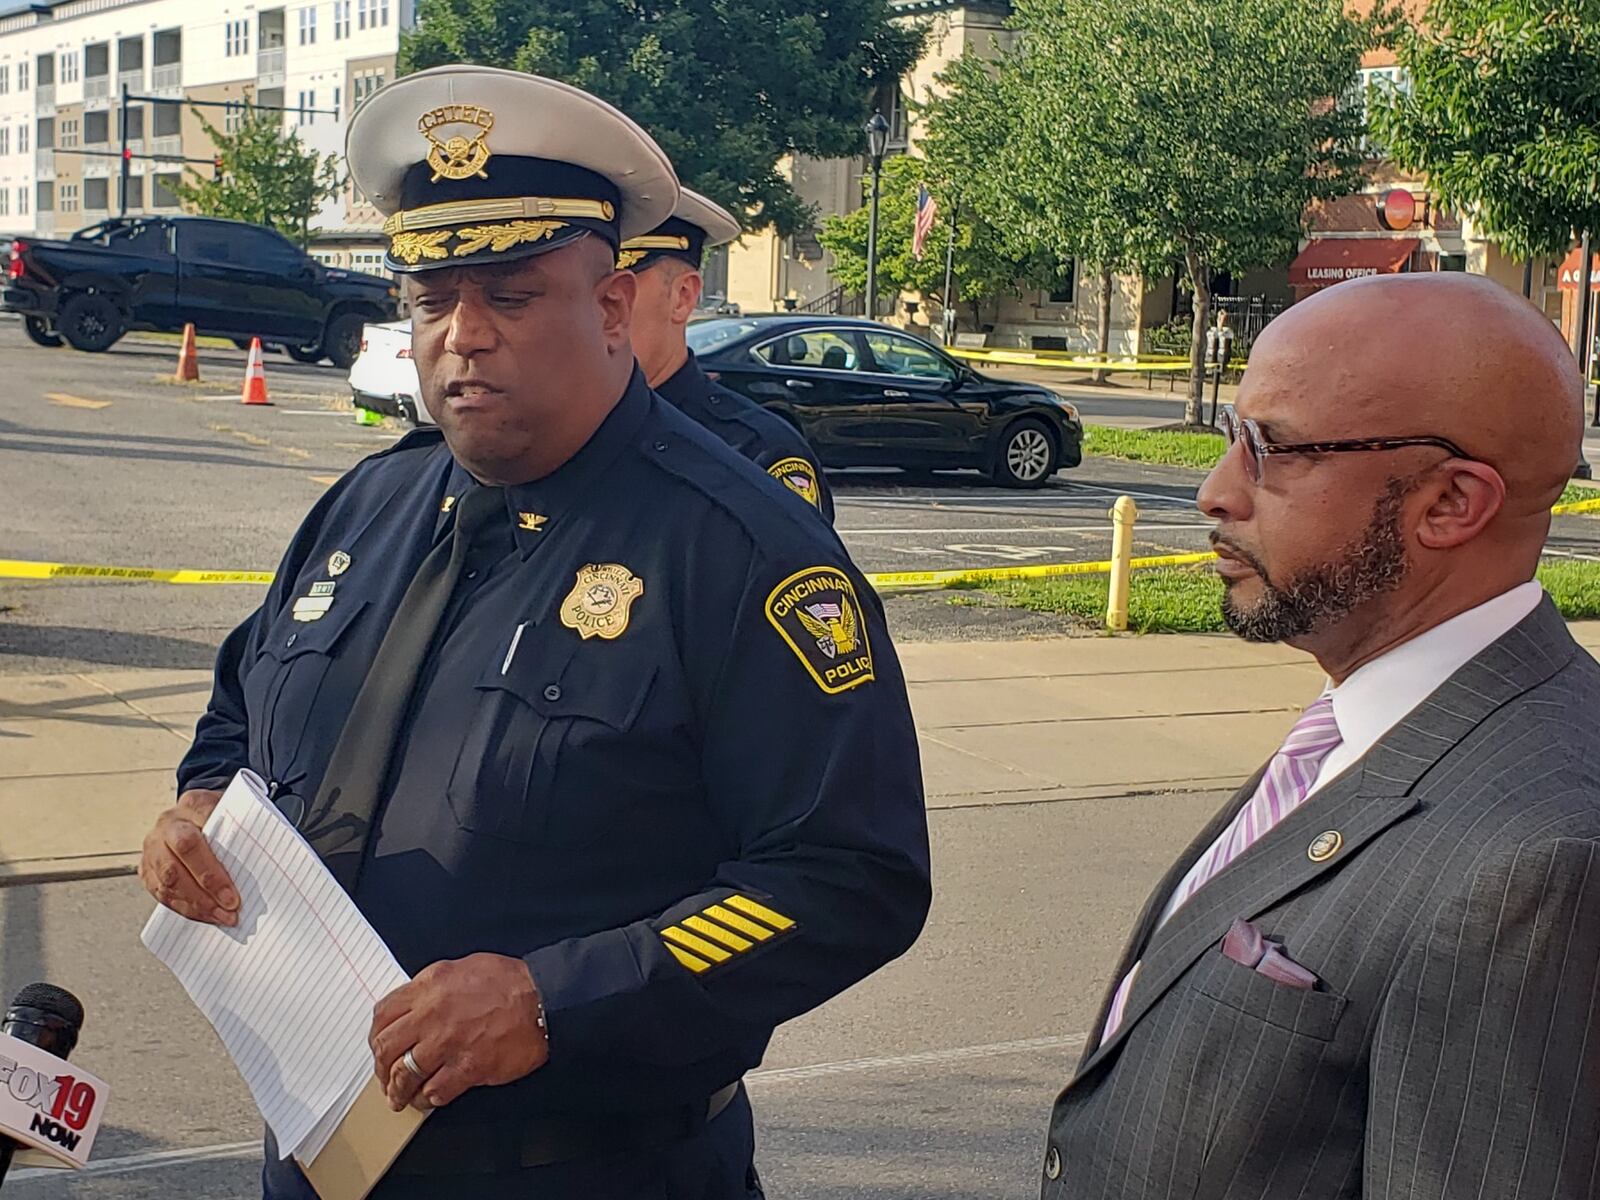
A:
[800,477]
[818,615]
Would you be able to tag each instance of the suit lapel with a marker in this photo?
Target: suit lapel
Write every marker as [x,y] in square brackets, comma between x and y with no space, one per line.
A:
[1359,805]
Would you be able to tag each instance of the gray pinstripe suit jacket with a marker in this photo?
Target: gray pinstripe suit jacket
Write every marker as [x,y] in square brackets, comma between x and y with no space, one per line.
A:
[1453,1049]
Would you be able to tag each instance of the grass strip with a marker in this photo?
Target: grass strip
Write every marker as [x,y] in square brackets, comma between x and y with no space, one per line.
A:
[1189,599]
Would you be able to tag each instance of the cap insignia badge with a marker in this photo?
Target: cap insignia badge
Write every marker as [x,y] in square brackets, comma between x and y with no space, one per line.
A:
[457,156]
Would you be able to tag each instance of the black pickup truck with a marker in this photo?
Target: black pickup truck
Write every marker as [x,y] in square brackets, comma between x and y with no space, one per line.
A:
[230,278]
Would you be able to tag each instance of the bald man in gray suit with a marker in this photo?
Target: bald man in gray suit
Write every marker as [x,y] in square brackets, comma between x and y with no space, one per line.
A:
[1376,972]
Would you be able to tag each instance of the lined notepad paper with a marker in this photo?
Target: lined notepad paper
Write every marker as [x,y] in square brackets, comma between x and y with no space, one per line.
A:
[290,988]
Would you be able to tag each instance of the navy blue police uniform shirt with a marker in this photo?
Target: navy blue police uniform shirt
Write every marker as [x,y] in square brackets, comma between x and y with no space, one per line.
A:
[661,750]
[765,438]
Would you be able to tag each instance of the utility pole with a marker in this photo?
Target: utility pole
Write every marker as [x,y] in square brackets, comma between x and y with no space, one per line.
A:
[127,155]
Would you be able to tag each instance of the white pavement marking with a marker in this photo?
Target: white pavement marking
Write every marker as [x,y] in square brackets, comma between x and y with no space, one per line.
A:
[130,1163]
[1153,497]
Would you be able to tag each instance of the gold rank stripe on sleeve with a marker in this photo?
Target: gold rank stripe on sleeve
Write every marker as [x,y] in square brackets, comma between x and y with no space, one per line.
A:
[722,932]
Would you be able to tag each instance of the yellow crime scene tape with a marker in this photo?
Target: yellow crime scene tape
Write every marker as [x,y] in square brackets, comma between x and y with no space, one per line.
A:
[14,568]
[1069,360]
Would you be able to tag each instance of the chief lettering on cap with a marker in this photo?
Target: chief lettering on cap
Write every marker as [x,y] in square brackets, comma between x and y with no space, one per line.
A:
[695,226]
[477,164]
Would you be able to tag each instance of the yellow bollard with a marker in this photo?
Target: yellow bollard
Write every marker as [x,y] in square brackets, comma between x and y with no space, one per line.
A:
[1123,514]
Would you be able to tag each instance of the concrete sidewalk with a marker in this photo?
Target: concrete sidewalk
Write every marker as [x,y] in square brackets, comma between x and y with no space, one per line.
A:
[86,760]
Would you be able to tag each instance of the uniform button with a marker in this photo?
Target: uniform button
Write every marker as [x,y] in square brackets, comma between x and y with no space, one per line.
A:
[552,693]
[1052,1164]
[661,446]
[293,638]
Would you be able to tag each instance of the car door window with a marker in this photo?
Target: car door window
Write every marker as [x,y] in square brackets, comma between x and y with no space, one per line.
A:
[211,244]
[893,354]
[824,349]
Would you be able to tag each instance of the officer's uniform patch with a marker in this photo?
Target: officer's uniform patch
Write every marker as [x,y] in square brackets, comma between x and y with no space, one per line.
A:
[817,613]
[599,602]
[800,477]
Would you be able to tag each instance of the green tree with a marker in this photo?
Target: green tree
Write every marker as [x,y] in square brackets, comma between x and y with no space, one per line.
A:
[728,89]
[265,175]
[1195,130]
[1502,115]
[983,266]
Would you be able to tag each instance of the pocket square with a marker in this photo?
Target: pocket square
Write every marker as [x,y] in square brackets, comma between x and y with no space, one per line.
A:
[1249,947]
[1279,967]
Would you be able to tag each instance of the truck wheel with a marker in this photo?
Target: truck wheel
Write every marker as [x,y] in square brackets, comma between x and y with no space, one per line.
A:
[342,345]
[39,333]
[305,354]
[90,321]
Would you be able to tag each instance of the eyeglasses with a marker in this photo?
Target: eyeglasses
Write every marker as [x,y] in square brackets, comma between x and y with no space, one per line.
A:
[1256,446]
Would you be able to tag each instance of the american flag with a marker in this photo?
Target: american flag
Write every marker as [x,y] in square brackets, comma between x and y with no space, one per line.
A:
[927,214]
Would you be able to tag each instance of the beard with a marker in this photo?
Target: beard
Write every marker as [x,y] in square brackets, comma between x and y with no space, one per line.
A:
[1319,596]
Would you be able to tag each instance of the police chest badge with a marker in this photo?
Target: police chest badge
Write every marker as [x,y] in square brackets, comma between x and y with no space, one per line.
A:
[818,615]
[454,155]
[599,602]
[800,477]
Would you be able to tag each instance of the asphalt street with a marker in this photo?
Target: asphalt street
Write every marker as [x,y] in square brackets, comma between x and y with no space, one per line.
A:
[933,1078]
[106,462]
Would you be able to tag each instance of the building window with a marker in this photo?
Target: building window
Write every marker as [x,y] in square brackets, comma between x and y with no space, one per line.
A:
[232,118]
[46,192]
[67,66]
[1065,290]
[161,193]
[5,203]
[238,38]
[308,102]
[68,134]
[69,197]
[96,193]
[5,79]
[5,139]
[338,103]
[22,139]
[22,77]
[341,18]
[22,201]
[135,191]
[365,83]
[308,25]
[96,128]
[372,14]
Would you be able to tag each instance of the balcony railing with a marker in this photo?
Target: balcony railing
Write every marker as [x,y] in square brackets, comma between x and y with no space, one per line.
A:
[45,160]
[270,63]
[96,87]
[98,166]
[133,81]
[171,146]
[44,96]
[168,77]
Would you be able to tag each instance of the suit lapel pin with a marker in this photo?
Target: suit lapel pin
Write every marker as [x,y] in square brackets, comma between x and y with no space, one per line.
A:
[1324,846]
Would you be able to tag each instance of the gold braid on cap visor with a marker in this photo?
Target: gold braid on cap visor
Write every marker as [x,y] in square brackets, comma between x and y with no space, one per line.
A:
[497,224]
[635,249]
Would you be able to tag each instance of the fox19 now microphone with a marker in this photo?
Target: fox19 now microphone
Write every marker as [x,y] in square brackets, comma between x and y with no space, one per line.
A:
[49,1111]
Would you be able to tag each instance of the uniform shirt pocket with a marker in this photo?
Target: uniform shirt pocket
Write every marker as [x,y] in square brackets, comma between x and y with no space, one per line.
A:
[548,732]
[283,686]
[1311,1013]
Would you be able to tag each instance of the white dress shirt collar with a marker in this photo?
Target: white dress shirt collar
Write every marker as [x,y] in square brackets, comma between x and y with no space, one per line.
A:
[1378,696]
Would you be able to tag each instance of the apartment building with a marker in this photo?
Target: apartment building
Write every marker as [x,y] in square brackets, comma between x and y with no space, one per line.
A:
[65,66]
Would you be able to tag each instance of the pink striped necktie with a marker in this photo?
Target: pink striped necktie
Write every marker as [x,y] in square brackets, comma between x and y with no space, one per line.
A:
[1283,788]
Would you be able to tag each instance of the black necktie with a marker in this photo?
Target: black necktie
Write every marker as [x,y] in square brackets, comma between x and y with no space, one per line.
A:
[339,823]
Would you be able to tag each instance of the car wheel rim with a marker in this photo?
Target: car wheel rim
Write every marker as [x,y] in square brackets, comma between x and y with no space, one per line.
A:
[1028,455]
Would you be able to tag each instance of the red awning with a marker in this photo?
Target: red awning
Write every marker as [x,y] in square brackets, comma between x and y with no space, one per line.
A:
[1569,272]
[1327,261]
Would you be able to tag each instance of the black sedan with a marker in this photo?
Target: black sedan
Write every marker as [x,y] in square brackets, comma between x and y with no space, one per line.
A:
[868,395]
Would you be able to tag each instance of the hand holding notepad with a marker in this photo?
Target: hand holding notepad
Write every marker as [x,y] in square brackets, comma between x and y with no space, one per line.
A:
[290,990]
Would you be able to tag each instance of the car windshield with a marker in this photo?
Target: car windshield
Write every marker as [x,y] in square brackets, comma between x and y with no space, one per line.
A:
[705,336]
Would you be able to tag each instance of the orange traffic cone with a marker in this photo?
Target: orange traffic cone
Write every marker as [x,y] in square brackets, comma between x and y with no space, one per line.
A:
[188,359]
[255,377]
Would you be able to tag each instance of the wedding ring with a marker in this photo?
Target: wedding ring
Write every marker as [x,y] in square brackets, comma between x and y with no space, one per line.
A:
[411,1065]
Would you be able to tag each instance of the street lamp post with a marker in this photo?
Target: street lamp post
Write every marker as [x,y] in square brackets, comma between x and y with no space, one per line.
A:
[877,131]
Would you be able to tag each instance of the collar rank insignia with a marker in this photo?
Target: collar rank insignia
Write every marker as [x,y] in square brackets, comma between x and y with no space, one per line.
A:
[817,614]
[599,602]
[800,477]
[456,156]
[532,522]
[447,504]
